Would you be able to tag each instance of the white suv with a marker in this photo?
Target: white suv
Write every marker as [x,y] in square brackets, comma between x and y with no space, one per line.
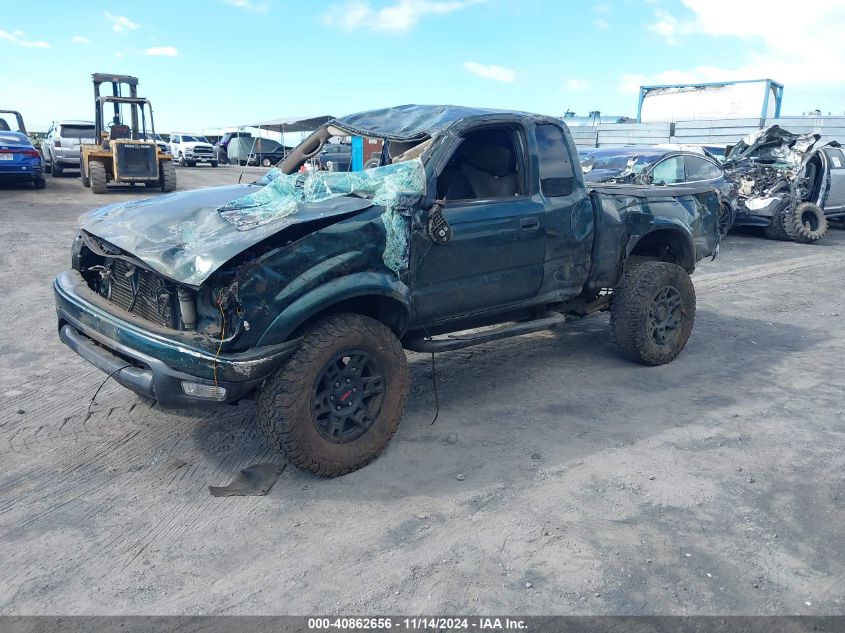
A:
[190,149]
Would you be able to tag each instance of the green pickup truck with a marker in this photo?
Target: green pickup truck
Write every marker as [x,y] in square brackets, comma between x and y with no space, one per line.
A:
[302,289]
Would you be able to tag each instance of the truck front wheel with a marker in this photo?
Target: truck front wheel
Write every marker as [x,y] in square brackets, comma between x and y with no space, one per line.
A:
[652,313]
[334,405]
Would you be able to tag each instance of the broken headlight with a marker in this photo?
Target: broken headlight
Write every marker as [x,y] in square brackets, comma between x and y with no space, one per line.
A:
[76,252]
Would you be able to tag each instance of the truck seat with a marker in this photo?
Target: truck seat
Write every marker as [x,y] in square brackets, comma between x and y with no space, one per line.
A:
[119,131]
[480,171]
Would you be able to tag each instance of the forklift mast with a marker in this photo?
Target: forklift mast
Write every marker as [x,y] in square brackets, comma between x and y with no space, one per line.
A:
[116,81]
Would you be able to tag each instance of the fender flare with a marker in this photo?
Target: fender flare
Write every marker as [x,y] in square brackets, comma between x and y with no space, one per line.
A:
[677,231]
[330,294]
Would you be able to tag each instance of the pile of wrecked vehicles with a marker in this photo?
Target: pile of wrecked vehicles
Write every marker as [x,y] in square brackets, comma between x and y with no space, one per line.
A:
[302,289]
[788,184]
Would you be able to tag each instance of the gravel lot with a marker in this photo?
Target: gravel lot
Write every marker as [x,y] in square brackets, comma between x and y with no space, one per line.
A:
[558,478]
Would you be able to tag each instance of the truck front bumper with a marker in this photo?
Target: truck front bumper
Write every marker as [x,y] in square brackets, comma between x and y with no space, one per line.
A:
[147,362]
[199,158]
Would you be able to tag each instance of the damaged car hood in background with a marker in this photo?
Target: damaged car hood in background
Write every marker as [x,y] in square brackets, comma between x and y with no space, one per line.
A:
[183,235]
[775,146]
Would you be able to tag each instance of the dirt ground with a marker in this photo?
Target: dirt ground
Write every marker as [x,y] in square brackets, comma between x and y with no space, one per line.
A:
[557,479]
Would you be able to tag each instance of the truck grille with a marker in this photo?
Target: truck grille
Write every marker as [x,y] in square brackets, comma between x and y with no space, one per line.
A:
[141,292]
[202,150]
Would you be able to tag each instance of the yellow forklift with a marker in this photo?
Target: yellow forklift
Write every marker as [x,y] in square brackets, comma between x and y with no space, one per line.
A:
[125,148]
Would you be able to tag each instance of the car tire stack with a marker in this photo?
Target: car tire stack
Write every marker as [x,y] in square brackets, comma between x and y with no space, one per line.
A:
[776,229]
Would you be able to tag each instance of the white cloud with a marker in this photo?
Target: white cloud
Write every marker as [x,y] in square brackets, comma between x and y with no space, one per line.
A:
[670,28]
[399,17]
[162,51]
[121,23]
[600,24]
[17,37]
[491,71]
[248,5]
[118,55]
[80,39]
[630,83]
[576,85]
[601,8]
[801,52]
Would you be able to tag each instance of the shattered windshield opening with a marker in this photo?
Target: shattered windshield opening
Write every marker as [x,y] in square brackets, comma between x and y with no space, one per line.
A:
[395,187]
[284,192]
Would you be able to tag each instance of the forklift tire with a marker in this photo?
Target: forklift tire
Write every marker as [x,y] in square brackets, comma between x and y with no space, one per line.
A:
[57,170]
[809,224]
[97,175]
[652,313]
[40,183]
[334,405]
[168,175]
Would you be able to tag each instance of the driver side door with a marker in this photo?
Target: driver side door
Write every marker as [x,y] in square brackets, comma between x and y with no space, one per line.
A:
[495,257]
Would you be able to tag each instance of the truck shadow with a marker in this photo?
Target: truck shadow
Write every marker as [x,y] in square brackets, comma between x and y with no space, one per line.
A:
[508,408]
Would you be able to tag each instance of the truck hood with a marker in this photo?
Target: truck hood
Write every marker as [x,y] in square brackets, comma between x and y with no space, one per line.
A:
[183,236]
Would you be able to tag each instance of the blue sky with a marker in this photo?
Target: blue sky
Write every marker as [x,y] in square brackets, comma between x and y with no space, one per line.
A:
[209,63]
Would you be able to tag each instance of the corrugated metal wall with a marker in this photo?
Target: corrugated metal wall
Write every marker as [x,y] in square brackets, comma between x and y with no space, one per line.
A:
[718,132]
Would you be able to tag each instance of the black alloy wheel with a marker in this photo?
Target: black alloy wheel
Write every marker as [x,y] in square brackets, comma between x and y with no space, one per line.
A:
[348,396]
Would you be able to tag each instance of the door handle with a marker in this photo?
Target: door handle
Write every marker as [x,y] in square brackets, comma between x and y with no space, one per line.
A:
[529,224]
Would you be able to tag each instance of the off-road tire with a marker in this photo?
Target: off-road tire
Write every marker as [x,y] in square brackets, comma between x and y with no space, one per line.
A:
[776,230]
[86,182]
[97,177]
[167,179]
[266,162]
[633,312]
[284,406]
[40,183]
[182,161]
[57,170]
[809,224]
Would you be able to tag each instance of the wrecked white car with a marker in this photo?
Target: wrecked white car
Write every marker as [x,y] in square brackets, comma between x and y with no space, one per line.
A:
[787,183]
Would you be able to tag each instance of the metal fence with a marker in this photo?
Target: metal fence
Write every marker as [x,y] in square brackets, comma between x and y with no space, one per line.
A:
[705,132]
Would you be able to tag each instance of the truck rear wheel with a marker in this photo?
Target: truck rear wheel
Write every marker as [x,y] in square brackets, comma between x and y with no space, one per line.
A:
[652,314]
[808,223]
[168,175]
[97,177]
[336,403]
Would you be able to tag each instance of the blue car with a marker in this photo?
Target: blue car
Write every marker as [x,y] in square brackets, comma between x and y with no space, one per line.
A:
[19,159]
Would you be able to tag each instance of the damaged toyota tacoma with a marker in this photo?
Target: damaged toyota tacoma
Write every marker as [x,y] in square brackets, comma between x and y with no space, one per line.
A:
[302,289]
[787,183]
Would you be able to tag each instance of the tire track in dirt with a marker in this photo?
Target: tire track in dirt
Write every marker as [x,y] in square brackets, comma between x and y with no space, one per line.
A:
[708,281]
